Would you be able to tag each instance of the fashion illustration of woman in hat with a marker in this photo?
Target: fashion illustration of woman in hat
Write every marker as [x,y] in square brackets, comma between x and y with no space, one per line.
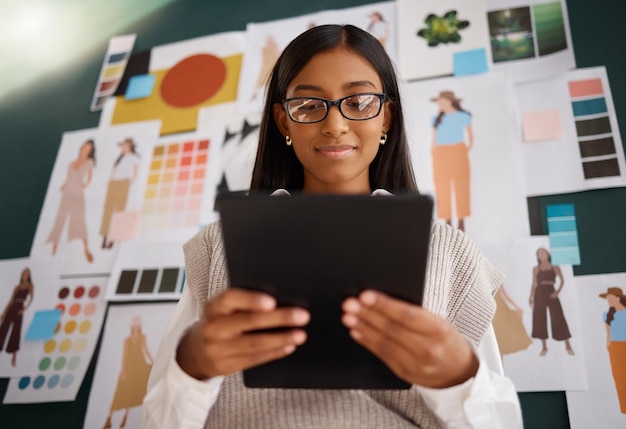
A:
[615,321]
[122,176]
[452,140]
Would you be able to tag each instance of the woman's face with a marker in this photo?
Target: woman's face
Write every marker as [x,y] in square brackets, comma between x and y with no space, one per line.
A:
[25,275]
[542,255]
[612,300]
[126,147]
[85,150]
[444,104]
[336,152]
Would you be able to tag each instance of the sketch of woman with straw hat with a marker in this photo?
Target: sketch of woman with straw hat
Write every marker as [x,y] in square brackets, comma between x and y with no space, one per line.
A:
[615,321]
[452,140]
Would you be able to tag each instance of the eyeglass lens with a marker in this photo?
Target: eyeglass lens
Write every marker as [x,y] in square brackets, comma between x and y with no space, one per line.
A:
[357,107]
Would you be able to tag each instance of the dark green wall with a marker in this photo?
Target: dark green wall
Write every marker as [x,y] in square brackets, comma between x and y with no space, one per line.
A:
[33,120]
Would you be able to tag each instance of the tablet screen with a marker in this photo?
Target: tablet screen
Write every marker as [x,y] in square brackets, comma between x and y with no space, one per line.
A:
[314,251]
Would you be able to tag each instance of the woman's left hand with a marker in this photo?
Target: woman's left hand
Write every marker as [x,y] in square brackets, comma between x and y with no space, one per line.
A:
[417,345]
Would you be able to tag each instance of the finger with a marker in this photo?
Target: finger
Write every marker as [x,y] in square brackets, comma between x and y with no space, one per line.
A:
[235,324]
[234,299]
[240,363]
[263,342]
[402,313]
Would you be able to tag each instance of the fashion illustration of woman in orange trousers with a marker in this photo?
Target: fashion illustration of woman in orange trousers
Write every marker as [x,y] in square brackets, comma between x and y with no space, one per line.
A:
[452,139]
[615,321]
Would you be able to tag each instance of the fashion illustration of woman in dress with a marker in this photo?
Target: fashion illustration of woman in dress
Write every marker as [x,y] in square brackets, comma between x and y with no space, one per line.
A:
[378,28]
[11,318]
[615,321]
[122,176]
[133,379]
[72,205]
[545,298]
[452,139]
[508,324]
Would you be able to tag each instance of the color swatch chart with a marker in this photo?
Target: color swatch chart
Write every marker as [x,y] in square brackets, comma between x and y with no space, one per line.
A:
[563,234]
[593,127]
[66,355]
[153,281]
[112,69]
[175,186]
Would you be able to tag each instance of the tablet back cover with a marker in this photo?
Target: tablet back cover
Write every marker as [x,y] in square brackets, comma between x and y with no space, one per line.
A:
[313,251]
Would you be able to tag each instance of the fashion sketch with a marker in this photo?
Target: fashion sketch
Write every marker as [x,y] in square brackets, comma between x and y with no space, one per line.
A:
[133,378]
[544,299]
[11,318]
[615,322]
[452,140]
[122,177]
[72,206]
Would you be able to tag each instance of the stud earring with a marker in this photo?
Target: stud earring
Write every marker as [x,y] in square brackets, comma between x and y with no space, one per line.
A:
[288,140]
[383,138]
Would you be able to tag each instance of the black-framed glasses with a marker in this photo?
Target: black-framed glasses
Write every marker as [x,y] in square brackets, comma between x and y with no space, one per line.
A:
[356,107]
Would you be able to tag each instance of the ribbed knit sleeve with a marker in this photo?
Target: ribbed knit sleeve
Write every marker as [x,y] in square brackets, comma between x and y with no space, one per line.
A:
[462,282]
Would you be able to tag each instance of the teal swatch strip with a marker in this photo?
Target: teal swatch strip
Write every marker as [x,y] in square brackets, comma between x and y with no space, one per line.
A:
[563,234]
[589,107]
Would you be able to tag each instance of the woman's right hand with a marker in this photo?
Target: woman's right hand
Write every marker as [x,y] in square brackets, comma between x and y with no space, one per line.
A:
[222,341]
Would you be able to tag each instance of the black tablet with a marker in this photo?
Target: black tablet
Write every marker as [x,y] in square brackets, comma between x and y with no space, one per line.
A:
[314,251]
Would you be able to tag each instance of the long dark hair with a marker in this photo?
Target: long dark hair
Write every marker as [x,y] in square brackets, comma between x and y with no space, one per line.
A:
[92,152]
[612,310]
[276,164]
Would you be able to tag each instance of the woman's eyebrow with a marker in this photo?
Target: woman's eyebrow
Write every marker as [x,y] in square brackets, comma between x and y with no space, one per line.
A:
[349,85]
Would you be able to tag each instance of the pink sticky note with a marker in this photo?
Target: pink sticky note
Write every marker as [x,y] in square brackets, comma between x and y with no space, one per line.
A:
[542,125]
[124,226]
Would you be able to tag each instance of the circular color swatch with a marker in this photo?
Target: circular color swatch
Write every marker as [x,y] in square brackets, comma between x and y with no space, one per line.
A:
[70,326]
[59,363]
[79,291]
[74,309]
[49,346]
[193,80]
[23,383]
[67,380]
[85,327]
[64,292]
[73,363]
[53,381]
[90,309]
[65,345]
[39,381]
[45,364]
[60,307]
[80,345]
[94,291]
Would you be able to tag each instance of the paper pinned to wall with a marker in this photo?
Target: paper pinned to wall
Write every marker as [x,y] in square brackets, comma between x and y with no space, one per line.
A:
[112,70]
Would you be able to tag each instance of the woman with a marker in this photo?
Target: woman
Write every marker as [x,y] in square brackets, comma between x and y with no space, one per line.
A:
[451,168]
[615,321]
[122,176]
[352,145]
[11,318]
[544,298]
[73,200]
[133,379]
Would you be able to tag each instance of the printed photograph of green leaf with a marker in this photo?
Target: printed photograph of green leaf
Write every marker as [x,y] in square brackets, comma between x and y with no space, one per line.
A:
[443,29]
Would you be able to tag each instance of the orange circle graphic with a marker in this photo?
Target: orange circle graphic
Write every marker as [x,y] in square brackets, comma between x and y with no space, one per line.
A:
[193,80]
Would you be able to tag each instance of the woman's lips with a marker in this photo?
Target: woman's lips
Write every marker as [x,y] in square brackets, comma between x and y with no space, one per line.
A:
[335,151]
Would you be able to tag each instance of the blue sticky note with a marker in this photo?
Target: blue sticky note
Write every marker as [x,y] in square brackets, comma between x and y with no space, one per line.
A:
[43,324]
[140,86]
[470,62]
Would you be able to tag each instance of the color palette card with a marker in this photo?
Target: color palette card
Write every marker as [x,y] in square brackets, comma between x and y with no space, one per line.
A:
[178,187]
[530,40]
[62,360]
[147,271]
[130,341]
[587,152]
[112,70]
